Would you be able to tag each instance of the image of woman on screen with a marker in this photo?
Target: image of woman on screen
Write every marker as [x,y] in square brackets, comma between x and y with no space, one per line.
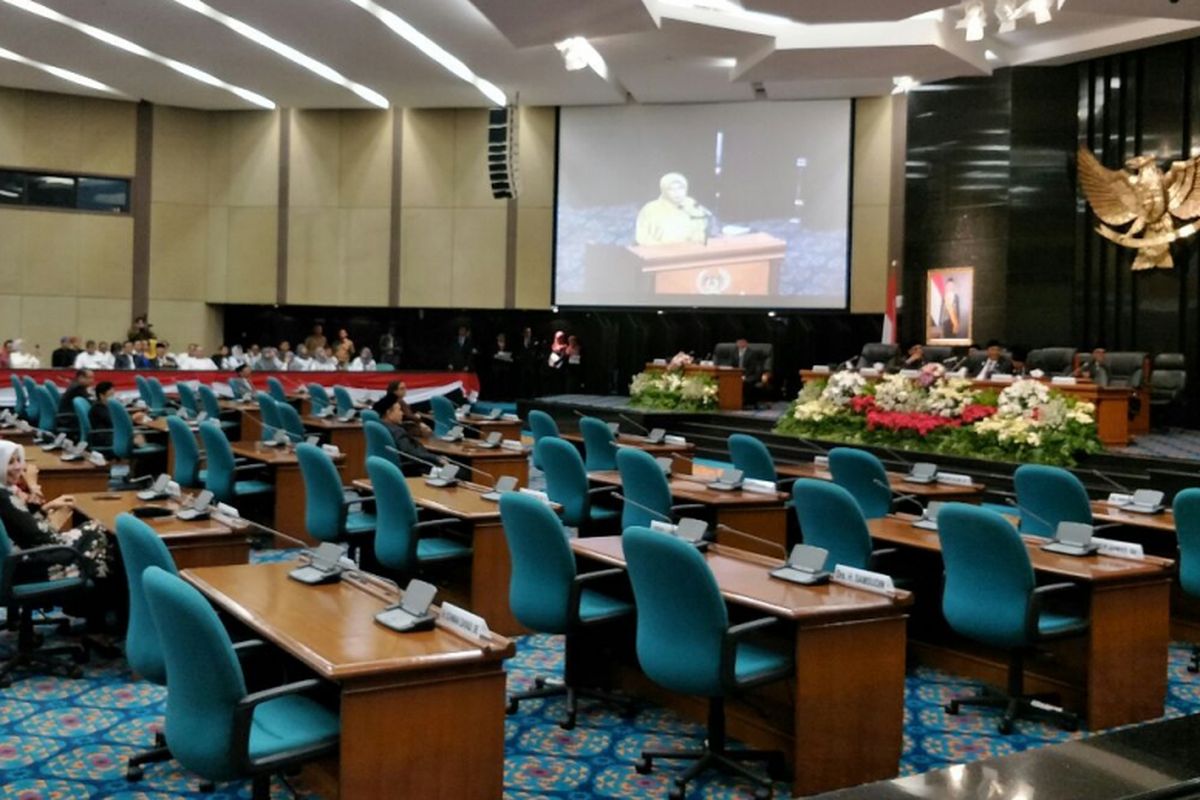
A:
[674,217]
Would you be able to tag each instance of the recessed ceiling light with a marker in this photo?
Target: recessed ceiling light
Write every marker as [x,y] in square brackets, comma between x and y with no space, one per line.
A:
[287,51]
[903,84]
[58,72]
[974,20]
[578,53]
[432,49]
[122,43]
[990,56]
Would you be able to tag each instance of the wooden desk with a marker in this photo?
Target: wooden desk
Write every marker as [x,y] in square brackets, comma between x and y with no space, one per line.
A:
[160,424]
[846,720]
[201,543]
[491,566]
[762,515]
[422,713]
[249,418]
[17,435]
[681,455]
[729,382]
[495,461]
[508,428]
[59,477]
[1102,513]
[1119,674]
[349,438]
[290,495]
[927,491]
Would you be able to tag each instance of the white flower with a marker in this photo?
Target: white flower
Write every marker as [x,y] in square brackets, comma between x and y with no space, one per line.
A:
[895,393]
[842,386]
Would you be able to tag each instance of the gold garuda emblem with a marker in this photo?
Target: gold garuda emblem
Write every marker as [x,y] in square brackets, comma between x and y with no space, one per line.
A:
[1146,200]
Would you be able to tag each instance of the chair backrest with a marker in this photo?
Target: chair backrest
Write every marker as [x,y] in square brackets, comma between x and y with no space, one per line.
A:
[989,580]
[219,476]
[141,548]
[681,616]
[395,517]
[1124,368]
[6,548]
[209,402]
[443,415]
[1048,496]
[600,452]
[831,518]
[543,568]
[122,430]
[542,424]
[1052,360]
[158,394]
[318,397]
[55,394]
[343,400]
[82,409]
[379,439]
[275,389]
[877,353]
[381,366]
[1187,530]
[187,398]
[324,511]
[566,479]
[752,457]
[1169,376]
[643,483]
[289,419]
[143,389]
[269,411]
[369,415]
[187,452]
[863,475]
[205,679]
[47,409]
[937,353]
[19,394]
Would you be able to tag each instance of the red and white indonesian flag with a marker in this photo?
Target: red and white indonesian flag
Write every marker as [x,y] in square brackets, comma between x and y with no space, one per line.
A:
[889,314]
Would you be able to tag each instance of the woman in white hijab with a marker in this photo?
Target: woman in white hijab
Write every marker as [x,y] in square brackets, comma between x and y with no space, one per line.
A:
[31,522]
[19,359]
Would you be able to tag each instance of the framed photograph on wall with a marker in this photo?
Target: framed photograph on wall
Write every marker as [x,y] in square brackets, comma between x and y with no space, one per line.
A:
[950,305]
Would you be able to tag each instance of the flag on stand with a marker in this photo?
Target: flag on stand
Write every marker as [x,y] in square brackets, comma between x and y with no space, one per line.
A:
[889,314]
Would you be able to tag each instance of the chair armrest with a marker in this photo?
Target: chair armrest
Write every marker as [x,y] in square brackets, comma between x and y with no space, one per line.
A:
[71,556]
[884,551]
[688,507]
[600,490]
[248,647]
[436,523]
[349,501]
[740,630]
[249,467]
[604,573]
[243,712]
[785,484]
[729,645]
[1052,588]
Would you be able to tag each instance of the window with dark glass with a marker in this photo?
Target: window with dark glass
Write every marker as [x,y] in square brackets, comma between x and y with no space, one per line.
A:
[49,190]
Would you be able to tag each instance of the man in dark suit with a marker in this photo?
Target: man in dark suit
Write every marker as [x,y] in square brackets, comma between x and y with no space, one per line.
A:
[64,356]
[752,363]
[391,412]
[996,362]
[462,351]
[80,387]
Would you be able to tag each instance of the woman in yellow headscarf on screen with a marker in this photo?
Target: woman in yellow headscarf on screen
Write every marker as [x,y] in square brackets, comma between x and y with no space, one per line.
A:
[673,217]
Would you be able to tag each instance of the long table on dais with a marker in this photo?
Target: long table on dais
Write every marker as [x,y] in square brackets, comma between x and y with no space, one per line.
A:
[422,713]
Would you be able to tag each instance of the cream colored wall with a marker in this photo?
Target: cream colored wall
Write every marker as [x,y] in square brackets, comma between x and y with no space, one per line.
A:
[875,171]
[63,272]
[536,149]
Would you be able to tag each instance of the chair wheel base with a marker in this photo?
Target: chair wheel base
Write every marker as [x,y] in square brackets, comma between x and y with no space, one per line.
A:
[134,774]
[1005,727]
[951,707]
[644,767]
[511,708]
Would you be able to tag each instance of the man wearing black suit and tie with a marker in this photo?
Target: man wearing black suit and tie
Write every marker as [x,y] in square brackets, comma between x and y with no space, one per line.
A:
[996,362]
[752,364]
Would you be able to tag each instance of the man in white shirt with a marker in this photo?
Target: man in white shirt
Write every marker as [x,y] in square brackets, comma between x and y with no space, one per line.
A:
[323,361]
[197,360]
[19,359]
[300,362]
[106,355]
[90,358]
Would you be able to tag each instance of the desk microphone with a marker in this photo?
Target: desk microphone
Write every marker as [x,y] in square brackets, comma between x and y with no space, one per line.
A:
[1022,511]
[475,486]
[897,456]
[469,468]
[664,517]
[774,545]
[1111,482]
[418,459]
[635,424]
[848,364]
[900,498]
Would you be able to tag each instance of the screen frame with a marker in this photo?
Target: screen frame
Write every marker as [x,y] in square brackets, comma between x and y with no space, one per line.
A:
[844,308]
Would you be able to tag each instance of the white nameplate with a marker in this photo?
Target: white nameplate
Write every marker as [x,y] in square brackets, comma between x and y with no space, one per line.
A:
[1003,378]
[545,498]
[464,621]
[910,373]
[1063,380]
[174,490]
[228,510]
[331,449]
[759,487]
[869,372]
[1119,499]
[659,362]
[674,440]
[510,417]
[821,462]
[1112,547]
[820,369]
[662,527]
[864,579]
[512,444]
[955,479]
[708,363]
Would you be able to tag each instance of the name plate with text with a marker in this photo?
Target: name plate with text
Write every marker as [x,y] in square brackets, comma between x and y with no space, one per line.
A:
[545,498]
[821,462]
[759,487]
[864,579]
[674,440]
[1112,547]
[955,479]
[512,444]
[463,621]
[820,369]
[1063,380]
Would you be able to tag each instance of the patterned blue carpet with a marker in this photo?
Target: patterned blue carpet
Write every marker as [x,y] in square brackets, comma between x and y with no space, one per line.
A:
[63,739]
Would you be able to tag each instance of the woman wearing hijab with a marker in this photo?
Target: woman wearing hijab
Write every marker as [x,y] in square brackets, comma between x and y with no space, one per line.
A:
[363,362]
[31,521]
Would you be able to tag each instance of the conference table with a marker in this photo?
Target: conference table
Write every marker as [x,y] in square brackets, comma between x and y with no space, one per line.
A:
[58,477]
[508,428]
[199,543]
[839,722]
[681,455]
[22,436]
[942,492]
[348,437]
[761,515]
[495,461]
[290,503]
[422,714]
[728,380]
[1116,674]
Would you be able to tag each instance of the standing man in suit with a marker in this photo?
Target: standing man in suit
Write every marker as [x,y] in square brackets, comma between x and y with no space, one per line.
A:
[996,362]
[752,364]
[462,351]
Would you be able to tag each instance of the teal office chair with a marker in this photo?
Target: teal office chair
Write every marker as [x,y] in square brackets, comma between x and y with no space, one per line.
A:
[123,445]
[1187,529]
[187,471]
[685,644]
[276,390]
[21,598]
[599,445]
[318,398]
[141,548]
[378,440]
[98,439]
[289,418]
[1047,496]
[327,517]
[751,456]
[643,483]
[159,405]
[342,400]
[542,425]
[143,390]
[47,410]
[268,409]
[831,518]
[221,477]
[21,406]
[214,726]
[64,419]
[55,393]
[991,596]
[211,406]
[369,415]
[443,415]
[187,399]
[567,485]
[401,543]
[547,595]
[863,475]
[383,367]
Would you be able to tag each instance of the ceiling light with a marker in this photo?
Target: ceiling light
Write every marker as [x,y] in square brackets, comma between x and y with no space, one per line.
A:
[121,43]
[1007,14]
[974,20]
[287,51]
[1040,10]
[578,53]
[903,84]
[990,56]
[58,72]
[730,8]
[432,49]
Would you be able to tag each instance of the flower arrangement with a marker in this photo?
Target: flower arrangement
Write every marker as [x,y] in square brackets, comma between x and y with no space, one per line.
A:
[937,412]
[679,361]
[671,390]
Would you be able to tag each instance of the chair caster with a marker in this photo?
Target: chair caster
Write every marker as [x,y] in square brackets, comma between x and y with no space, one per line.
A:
[540,683]
[763,794]
[511,708]
[568,723]
[644,766]
[134,774]
[951,707]
[1005,727]
[207,787]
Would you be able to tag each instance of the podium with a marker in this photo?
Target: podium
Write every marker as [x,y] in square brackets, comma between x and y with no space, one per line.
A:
[729,382]
[731,265]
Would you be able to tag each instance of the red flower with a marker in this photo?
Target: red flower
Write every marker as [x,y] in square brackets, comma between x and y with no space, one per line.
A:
[862,403]
[976,412]
[920,423]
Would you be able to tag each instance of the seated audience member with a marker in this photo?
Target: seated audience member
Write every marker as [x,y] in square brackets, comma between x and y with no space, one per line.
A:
[323,360]
[914,359]
[63,356]
[80,387]
[996,362]
[108,353]
[240,384]
[98,416]
[268,361]
[19,359]
[392,415]
[90,358]
[164,358]
[411,419]
[300,360]
[363,362]
[124,359]
[140,359]
[139,330]
[236,358]
[197,360]
[1094,369]
[285,350]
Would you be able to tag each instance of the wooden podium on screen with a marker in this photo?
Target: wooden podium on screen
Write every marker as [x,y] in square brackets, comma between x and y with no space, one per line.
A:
[733,265]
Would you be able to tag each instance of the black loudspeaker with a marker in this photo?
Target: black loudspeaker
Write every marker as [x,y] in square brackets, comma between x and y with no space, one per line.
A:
[502,152]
